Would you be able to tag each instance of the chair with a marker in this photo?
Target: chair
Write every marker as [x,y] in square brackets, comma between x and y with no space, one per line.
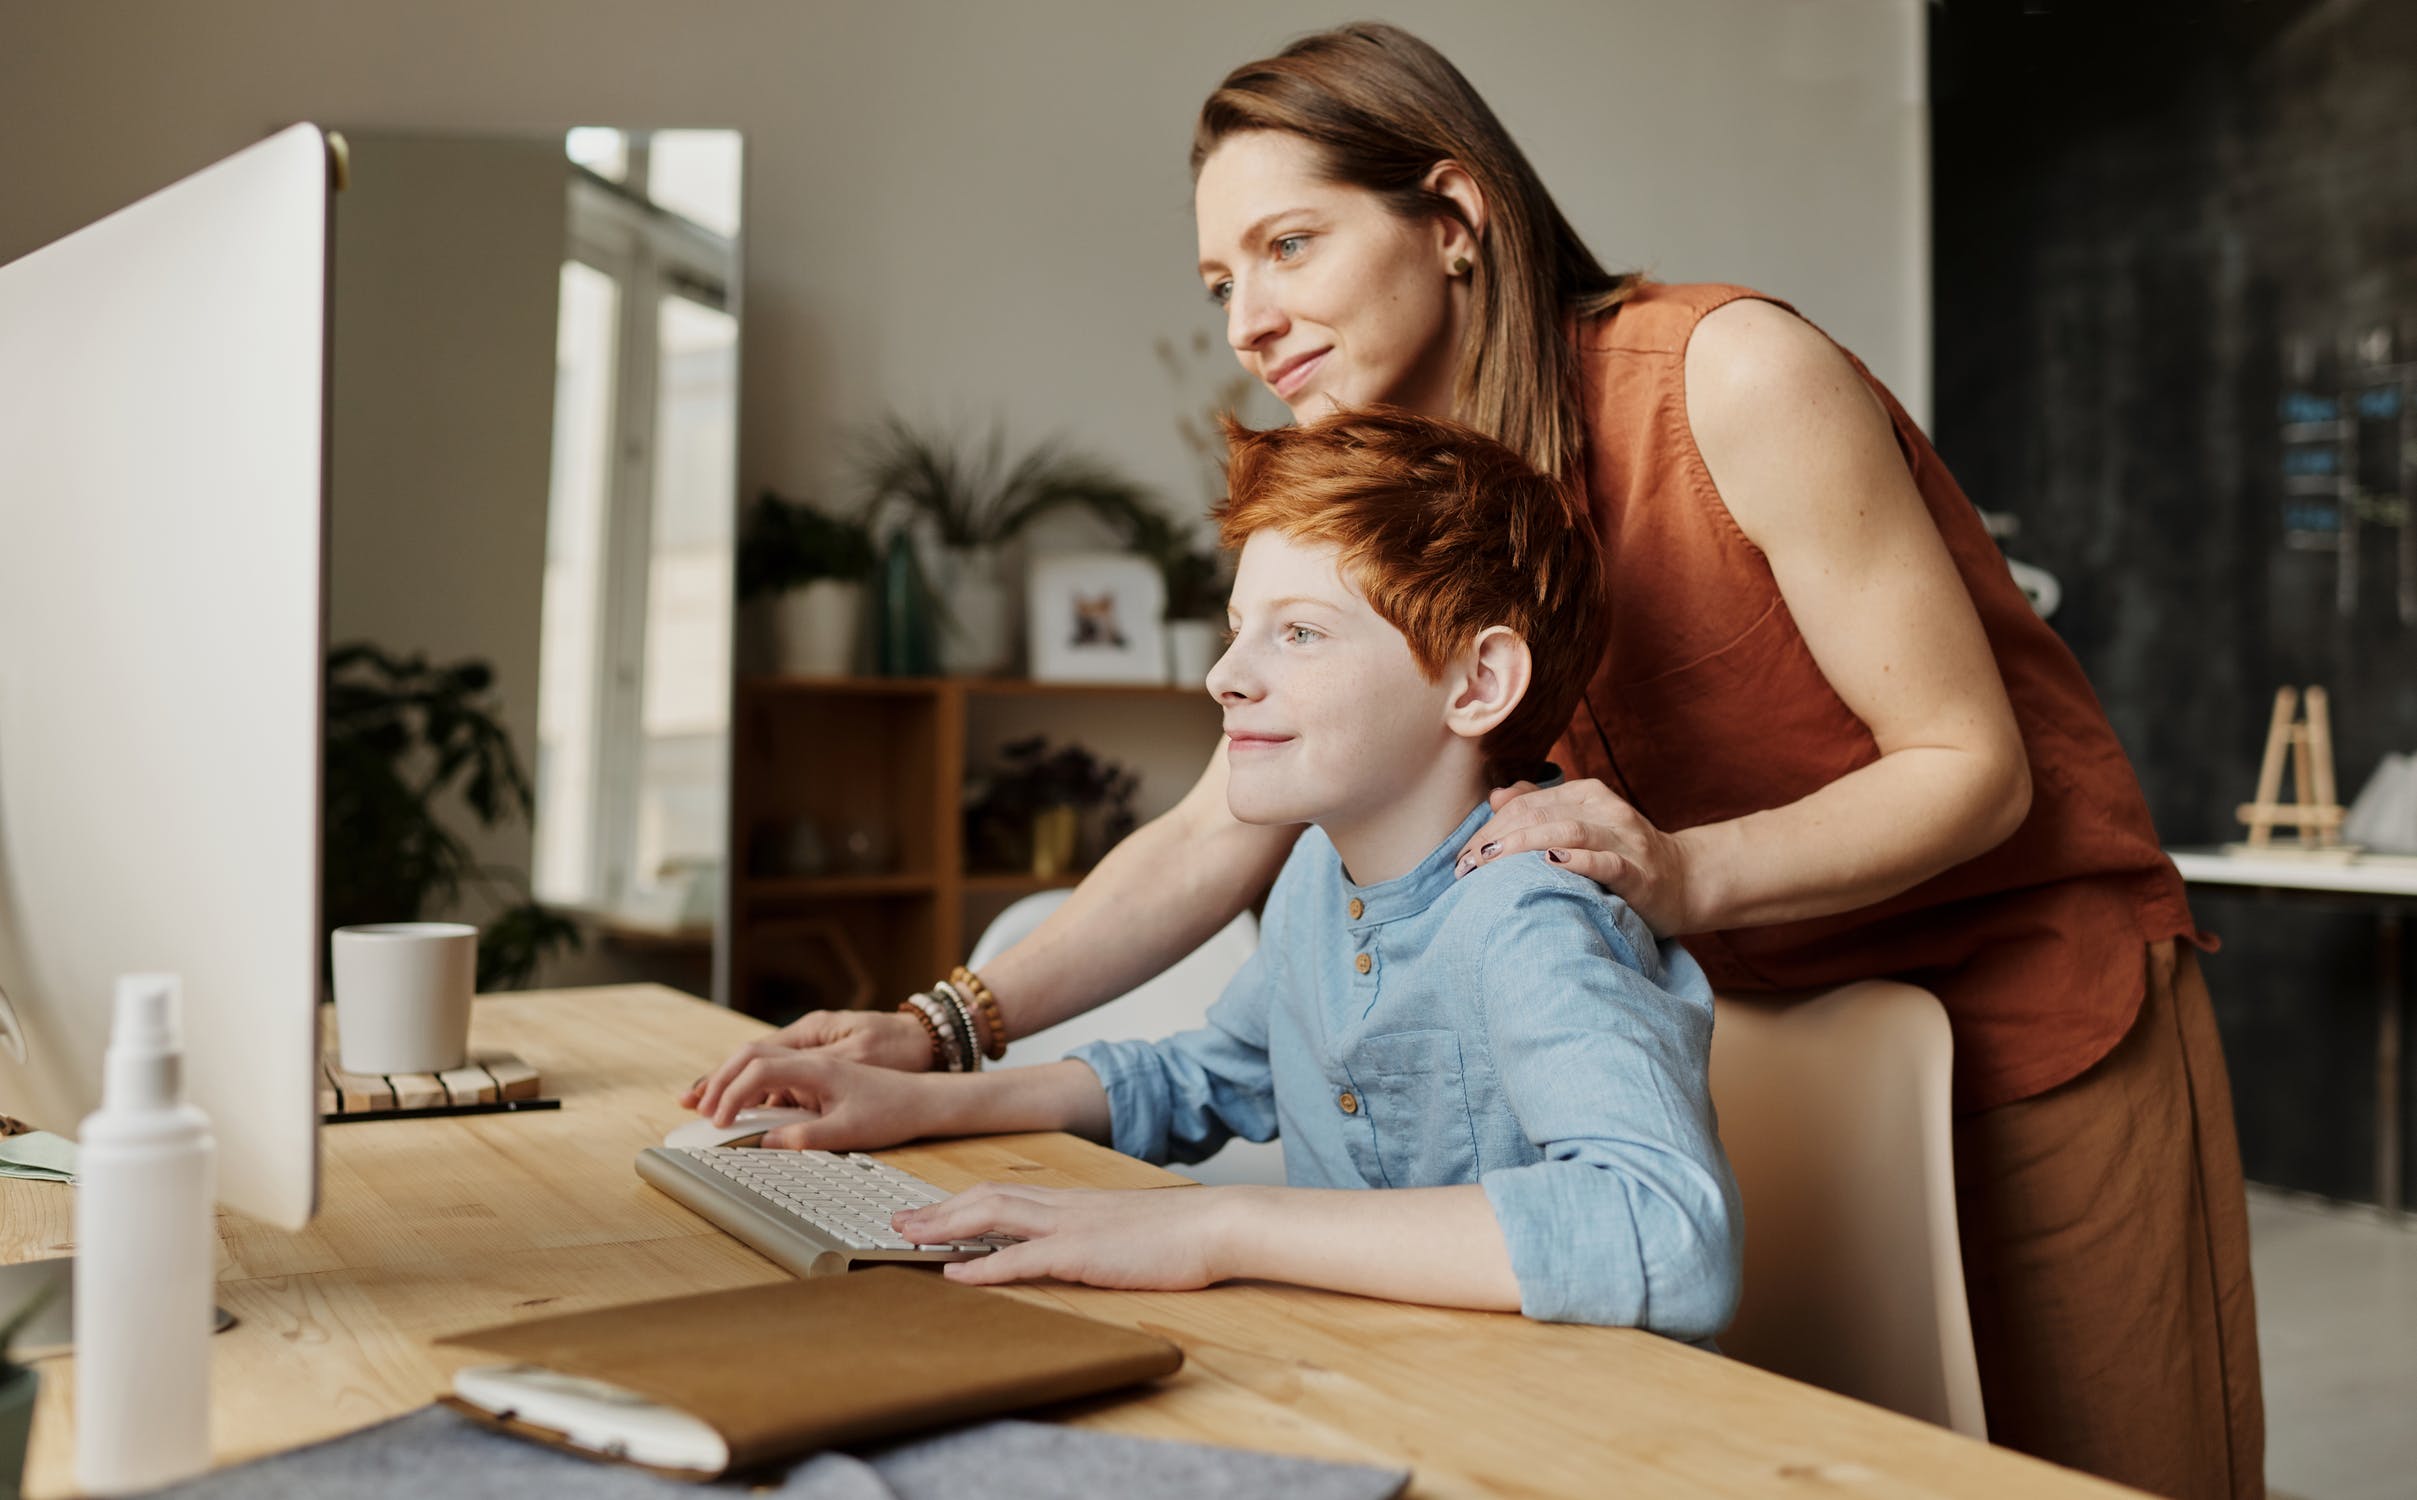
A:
[1174,1001]
[1834,1111]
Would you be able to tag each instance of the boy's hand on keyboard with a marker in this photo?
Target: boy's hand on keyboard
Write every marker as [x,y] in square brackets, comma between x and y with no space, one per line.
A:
[884,1039]
[1147,1239]
[861,1107]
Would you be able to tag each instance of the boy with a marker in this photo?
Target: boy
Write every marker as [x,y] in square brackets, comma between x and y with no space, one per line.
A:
[1513,1056]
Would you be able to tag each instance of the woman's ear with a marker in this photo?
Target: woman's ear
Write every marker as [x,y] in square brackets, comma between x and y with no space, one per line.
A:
[1493,675]
[1460,241]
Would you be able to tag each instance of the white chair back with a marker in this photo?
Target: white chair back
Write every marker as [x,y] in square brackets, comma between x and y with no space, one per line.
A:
[1174,1001]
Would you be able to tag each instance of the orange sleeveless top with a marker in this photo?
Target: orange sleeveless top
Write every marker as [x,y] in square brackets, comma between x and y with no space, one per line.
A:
[1708,705]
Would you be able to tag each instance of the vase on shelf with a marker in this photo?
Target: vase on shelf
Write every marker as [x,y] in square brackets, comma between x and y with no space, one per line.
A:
[975,635]
[816,628]
[904,646]
[1056,831]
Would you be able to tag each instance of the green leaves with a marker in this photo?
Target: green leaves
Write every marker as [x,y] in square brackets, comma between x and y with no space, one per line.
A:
[787,544]
[402,736]
[977,496]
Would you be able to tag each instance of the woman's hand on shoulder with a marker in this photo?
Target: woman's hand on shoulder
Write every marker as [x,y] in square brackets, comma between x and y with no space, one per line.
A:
[1586,827]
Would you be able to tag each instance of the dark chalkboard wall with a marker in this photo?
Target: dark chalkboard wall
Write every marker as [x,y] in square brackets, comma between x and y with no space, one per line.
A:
[2176,274]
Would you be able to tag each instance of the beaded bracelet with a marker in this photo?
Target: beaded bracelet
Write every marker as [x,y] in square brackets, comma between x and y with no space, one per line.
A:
[988,1004]
[951,1054]
[961,1016]
[930,1029]
[948,994]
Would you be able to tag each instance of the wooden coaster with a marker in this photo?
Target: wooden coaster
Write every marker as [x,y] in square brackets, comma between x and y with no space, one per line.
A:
[490,1077]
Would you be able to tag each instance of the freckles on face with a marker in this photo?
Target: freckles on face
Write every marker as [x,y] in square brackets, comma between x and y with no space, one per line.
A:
[1330,298]
[1327,713]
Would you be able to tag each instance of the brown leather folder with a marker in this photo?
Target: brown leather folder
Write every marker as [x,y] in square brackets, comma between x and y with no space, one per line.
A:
[787,1369]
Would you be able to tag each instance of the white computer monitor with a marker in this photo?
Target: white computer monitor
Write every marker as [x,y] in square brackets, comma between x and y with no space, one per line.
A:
[162,637]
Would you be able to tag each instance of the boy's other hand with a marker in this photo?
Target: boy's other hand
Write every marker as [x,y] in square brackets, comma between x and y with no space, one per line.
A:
[861,1108]
[1139,1239]
[879,1038]
[1587,827]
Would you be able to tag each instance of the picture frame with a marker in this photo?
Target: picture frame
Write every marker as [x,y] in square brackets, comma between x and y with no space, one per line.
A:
[1095,617]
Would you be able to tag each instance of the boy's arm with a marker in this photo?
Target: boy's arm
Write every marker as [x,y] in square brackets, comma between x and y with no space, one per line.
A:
[1433,1245]
[1602,1041]
[1438,1246]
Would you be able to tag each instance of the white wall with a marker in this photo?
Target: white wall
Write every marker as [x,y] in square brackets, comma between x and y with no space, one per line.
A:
[441,411]
[962,209]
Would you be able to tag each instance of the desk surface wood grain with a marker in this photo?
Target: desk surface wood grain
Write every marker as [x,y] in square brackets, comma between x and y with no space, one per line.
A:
[430,1227]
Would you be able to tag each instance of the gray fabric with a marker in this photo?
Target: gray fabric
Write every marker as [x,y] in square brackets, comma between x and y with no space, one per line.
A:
[435,1451]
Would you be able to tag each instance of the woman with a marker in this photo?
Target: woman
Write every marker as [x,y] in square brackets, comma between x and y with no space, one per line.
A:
[1827,739]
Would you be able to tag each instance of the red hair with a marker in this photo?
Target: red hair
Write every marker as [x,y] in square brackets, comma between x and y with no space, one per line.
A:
[1447,533]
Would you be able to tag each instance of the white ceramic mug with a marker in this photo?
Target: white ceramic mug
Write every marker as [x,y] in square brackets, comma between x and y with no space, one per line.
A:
[403,996]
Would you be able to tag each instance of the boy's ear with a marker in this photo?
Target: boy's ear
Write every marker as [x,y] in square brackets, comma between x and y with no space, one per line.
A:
[1492,675]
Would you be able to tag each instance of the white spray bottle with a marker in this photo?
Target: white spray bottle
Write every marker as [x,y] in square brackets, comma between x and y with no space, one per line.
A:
[146,1257]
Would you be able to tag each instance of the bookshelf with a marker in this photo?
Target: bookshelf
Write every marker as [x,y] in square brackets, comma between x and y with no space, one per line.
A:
[884,759]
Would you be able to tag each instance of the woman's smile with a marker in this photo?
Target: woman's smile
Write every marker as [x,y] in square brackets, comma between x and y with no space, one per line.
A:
[1287,379]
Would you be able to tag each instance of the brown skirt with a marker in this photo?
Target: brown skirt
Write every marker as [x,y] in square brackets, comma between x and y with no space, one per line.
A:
[2106,1260]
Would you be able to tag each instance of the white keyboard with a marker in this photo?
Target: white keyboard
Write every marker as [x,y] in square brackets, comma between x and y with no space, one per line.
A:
[814,1212]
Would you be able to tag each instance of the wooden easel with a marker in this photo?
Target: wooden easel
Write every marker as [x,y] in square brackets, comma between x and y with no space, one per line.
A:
[2314,812]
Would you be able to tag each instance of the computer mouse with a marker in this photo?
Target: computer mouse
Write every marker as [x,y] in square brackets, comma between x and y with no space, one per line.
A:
[746,1130]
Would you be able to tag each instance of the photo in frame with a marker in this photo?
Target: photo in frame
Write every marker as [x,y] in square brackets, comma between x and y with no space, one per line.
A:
[1095,617]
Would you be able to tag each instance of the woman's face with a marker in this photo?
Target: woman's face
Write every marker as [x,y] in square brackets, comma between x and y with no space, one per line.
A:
[1330,299]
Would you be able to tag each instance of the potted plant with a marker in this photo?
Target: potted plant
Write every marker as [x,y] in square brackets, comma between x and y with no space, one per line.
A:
[975,501]
[802,570]
[18,1386]
[1029,812]
[402,737]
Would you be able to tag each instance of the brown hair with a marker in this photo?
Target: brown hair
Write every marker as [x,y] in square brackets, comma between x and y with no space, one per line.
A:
[1383,108]
[1447,533]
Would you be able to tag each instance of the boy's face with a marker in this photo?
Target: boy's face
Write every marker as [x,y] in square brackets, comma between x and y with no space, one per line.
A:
[1327,715]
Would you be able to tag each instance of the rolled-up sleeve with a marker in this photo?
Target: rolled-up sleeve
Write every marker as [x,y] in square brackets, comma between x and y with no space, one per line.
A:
[1180,1099]
[1632,1217]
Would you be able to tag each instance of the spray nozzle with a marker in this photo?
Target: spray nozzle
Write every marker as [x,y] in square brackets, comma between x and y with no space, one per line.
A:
[147,1006]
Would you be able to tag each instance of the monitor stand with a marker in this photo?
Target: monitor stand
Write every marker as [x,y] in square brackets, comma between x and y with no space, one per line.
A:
[52,1330]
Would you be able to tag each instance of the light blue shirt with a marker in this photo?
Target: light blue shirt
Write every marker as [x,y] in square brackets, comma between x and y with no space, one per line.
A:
[1519,1028]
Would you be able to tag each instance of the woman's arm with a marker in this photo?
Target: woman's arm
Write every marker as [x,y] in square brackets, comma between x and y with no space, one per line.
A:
[1807,463]
[1159,894]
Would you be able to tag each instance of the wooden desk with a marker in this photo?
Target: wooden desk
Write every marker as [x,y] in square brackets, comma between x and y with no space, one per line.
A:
[2388,885]
[428,1227]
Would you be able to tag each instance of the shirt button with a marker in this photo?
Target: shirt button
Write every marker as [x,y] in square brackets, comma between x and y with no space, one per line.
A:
[1357,906]
[1350,1102]
[1363,963]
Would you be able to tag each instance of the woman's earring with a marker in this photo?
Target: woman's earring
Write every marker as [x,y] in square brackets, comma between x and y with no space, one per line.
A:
[1460,265]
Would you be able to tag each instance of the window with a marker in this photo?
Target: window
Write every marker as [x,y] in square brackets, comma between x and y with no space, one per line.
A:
[634,673]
